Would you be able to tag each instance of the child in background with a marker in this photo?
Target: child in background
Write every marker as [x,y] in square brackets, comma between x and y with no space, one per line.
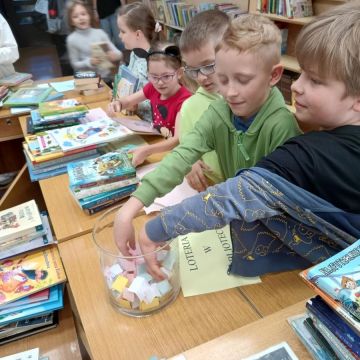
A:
[83,35]
[305,196]
[250,122]
[166,96]
[198,53]
[9,52]
[138,29]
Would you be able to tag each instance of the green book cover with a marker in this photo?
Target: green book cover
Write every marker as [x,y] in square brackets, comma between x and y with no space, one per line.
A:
[27,96]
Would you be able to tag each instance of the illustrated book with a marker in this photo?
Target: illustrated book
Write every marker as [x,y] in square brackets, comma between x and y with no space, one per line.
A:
[28,273]
[20,220]
[140,127]
[27,96]
[14,79]
[96,132]
[107,168]
[280,351]
[339,277]
[126,83]
[99,50]
[57,107]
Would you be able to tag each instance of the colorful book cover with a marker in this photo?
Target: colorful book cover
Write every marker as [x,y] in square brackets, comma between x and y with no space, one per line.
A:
[28,273]
[339,277]
[139,126]
[27,300]
[20,220]
[96,132]
[127,82]
[14,79]
[106,168]
[21,245]
[334,323]
[334,304]
[27,96]
[57,107]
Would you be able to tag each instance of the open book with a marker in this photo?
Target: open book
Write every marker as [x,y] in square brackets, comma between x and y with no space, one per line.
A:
[140,127]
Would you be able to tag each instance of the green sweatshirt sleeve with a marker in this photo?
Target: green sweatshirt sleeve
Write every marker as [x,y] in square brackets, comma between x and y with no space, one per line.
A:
[173,168]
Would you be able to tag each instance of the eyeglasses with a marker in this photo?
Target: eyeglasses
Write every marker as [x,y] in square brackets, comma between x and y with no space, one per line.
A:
[163,78]
[205,70]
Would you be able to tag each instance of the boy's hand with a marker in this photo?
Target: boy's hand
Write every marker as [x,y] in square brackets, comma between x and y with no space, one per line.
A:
[139,155]
[124,233]
[196,177]
[148,247]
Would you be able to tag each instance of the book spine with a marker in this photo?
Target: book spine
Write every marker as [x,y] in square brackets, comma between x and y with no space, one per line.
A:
[340,330]
[105,205]
[104,188]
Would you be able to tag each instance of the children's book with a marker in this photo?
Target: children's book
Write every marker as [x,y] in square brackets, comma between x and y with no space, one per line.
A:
[28,273]
[20,245]
[334,323]
[140,127]
[27,300]
[20,220]
[126,83]
[32,354]
[339,277]
[57,107]
[27,96]
[96,132]
[99,50]
[14,79]
[107,168]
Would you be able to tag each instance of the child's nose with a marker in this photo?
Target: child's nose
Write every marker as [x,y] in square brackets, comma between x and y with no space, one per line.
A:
[231,90]
[296,86]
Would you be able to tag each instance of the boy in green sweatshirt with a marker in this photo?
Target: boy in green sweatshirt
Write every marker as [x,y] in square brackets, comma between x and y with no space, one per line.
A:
[248,123]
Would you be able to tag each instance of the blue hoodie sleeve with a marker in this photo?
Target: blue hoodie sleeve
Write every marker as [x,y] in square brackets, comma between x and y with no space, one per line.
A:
[238,198]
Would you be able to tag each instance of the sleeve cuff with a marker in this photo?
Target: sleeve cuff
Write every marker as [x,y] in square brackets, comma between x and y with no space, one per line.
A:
[155,230]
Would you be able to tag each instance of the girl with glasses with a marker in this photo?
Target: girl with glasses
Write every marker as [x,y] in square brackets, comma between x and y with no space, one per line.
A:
[165,93]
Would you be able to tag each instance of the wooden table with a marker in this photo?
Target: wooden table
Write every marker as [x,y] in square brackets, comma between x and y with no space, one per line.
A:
[67,218]
[185,323]
[60,343]
[253,338]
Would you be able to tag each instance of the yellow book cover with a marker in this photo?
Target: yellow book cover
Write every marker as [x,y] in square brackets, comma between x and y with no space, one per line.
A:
[29,273]
[61,107]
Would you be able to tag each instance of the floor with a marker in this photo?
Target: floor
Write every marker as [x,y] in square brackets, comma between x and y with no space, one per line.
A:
[41,62]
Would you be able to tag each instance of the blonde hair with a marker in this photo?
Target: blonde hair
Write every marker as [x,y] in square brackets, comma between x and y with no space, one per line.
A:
[329,45]
[254,34]
[212,23]
[140,17]
[70,8]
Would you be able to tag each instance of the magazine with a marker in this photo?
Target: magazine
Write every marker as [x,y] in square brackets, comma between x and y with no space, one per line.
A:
[20,220]
[28,273]
[96,132]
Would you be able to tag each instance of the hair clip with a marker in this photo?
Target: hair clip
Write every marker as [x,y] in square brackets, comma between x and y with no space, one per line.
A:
[172,50]
[158,27]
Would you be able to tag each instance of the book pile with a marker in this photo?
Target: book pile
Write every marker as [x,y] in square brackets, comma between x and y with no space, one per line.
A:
[287,8]
[55,114]
[103,181]
[330,329]
[30,273]
[47,153]
[88,82]
[16,80]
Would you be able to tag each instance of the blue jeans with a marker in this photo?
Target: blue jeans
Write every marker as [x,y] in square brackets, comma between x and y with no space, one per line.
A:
[109,25]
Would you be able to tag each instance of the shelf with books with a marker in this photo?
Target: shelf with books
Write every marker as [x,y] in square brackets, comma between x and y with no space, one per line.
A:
[179,28]
[280,18]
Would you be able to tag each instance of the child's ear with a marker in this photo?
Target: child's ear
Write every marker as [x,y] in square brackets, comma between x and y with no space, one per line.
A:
[356,106]
[138,33]
[276,73]
[180,72]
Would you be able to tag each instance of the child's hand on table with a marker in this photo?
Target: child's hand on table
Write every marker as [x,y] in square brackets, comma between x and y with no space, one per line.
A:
[139,155]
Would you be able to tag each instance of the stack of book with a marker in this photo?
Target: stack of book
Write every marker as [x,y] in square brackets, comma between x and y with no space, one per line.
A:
[55,114]
[88,82]
[30,277]
[16,80]
[98,183]
[330,329]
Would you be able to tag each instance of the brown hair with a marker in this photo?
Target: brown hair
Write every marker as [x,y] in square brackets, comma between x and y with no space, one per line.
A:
[140,17]
[172,61]
[212,23]
[255,34]
[70,8]
[329,45]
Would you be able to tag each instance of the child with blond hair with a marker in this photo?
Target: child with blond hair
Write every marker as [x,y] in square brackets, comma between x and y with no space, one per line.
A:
[249,122]
[300,204]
